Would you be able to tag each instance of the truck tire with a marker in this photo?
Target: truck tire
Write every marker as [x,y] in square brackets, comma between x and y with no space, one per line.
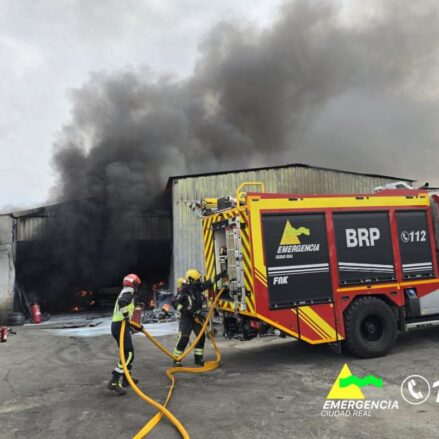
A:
[370,328]
[16,319]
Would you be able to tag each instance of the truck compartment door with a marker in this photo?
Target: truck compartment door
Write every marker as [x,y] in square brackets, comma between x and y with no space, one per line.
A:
[364,247]
[415,245]
[228,257]
[296,259]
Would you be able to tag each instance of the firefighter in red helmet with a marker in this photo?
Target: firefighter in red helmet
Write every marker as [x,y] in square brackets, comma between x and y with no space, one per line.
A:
[123,310]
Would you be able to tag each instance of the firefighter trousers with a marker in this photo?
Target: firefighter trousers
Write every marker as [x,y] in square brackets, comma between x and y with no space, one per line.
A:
[128,347]
[187,325]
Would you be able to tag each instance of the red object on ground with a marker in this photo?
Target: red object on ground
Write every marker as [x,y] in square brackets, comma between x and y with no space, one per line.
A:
[137,314]
[3,334]
[36,313]
[254,324]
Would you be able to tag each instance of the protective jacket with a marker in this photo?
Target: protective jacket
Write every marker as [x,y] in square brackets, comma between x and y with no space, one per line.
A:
[189,300]
[124,307]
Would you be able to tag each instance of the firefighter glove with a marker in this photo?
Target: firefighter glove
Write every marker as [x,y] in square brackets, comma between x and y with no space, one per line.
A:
[220,275]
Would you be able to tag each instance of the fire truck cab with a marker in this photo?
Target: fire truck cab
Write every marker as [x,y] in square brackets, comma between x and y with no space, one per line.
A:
[350,269]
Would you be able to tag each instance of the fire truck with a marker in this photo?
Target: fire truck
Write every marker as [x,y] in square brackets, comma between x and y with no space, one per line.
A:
[350,270]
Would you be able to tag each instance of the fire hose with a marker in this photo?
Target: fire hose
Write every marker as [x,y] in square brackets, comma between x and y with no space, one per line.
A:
[162,409]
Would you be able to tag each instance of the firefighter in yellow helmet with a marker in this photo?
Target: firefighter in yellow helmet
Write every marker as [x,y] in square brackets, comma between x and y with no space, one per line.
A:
[188,303]
[180,282]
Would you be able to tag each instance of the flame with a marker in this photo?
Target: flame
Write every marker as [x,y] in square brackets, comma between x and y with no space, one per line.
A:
[84,293]
[75,308]
[166,307]
[152,303]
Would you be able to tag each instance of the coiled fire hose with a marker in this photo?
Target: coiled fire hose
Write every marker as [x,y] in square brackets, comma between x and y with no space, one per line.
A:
[162,409]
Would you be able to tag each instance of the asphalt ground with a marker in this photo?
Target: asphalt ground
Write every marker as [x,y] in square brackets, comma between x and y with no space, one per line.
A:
[55,387]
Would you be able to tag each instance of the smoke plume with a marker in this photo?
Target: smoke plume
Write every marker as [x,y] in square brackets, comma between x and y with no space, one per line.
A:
[355,92]
[312,86]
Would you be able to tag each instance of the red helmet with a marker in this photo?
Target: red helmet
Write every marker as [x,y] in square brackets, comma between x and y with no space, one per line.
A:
[131,280]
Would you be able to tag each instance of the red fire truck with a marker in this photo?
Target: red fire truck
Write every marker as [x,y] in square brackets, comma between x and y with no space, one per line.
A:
[352,270]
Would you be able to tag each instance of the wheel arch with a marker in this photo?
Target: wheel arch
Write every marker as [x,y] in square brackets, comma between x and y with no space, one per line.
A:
[396,309]
[354,341]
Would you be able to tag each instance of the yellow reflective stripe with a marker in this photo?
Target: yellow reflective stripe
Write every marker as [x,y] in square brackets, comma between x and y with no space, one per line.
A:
[322,323]
[176,351]
[311,324]
[129,358]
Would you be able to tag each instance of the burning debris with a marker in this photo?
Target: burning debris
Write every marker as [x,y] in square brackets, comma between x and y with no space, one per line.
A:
[161,304]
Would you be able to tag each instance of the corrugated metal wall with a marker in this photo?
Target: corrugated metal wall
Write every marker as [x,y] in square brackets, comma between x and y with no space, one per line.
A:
[30,228]
[7,268]
[187,238]
[147,227]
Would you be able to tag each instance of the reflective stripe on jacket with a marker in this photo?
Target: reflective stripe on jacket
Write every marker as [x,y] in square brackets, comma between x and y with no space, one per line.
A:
[124,306]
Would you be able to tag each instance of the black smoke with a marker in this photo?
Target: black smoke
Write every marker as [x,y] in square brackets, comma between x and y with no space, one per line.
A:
[316,86]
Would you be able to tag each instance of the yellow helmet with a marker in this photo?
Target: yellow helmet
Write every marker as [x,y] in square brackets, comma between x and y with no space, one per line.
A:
[180,282]
[192,275]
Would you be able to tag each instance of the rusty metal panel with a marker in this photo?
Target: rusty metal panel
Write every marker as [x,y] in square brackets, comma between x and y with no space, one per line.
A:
[187,234]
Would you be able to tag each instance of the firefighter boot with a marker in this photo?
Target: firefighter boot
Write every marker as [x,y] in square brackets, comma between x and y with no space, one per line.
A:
[125,382]
[199,361]
[114,384]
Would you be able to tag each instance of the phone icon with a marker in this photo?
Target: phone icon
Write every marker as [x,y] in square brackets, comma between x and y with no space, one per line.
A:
[415,389]
[411,386]
[436,386]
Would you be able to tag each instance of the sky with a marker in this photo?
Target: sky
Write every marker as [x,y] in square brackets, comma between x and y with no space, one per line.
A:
[367,76]
[50,47]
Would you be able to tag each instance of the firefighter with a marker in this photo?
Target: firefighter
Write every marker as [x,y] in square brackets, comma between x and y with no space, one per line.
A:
[188,303]
[180,282]
[123,310]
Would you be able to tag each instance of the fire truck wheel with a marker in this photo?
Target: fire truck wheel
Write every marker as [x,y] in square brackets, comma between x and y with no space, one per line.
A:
[370,327]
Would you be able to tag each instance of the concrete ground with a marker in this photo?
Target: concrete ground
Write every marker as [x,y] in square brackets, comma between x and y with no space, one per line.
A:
[54,387]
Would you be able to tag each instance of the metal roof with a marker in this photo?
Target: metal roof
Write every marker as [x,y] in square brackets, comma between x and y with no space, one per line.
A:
[289,165]
[159,205]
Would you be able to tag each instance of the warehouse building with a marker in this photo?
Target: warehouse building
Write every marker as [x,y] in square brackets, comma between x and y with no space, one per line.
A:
[30,268]
[168,241]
